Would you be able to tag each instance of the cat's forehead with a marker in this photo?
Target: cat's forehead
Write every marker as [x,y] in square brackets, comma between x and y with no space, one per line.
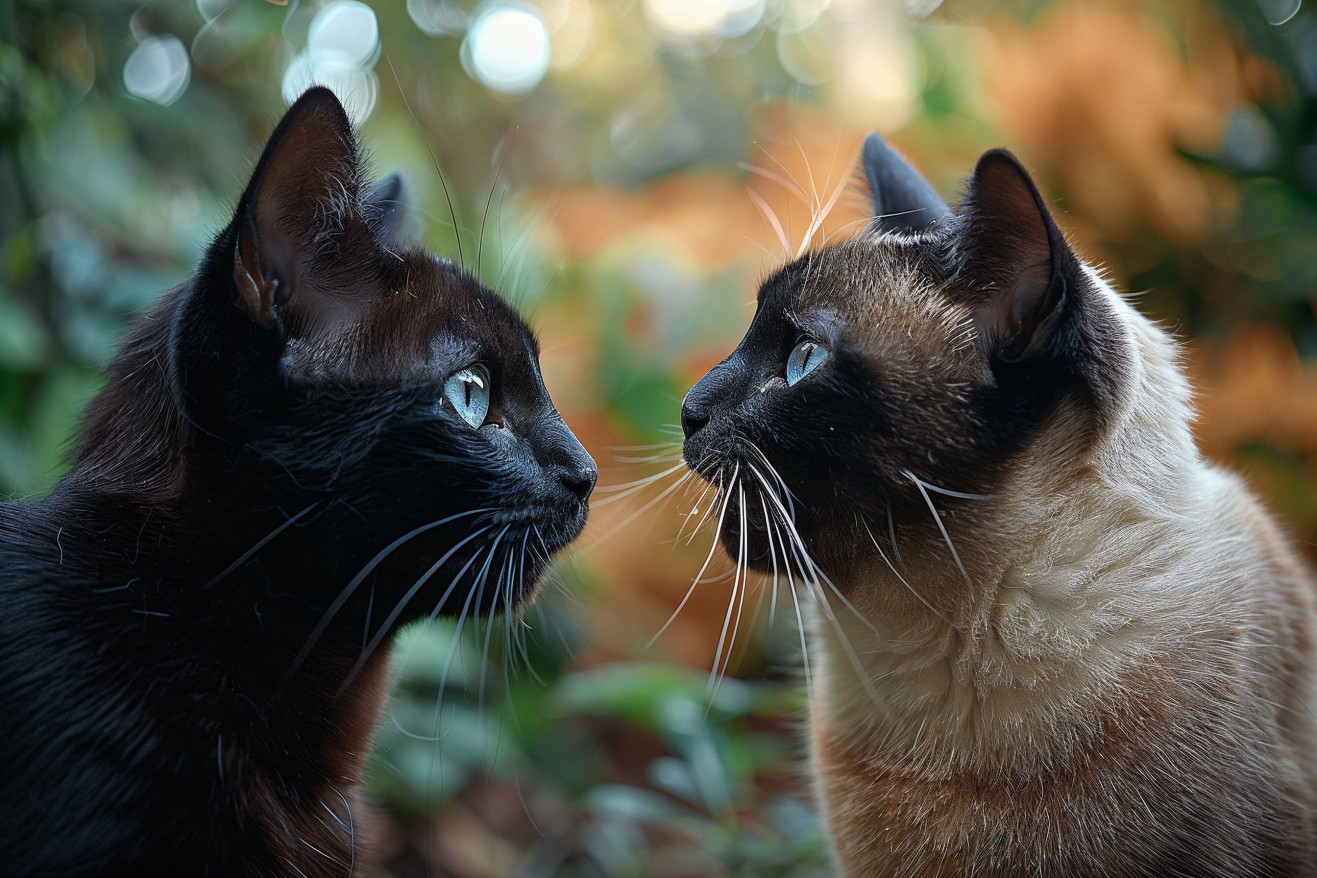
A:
[870,281]
[438,312]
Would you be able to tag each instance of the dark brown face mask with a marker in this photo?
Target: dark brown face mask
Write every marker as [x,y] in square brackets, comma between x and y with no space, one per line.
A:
[927,351]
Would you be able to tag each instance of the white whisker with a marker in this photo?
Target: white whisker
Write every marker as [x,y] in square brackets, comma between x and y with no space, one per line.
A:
[891,532]
[356,581]
[242,559]
[386,626]
[705,566]
[902,579]
[737,599]
[940,526]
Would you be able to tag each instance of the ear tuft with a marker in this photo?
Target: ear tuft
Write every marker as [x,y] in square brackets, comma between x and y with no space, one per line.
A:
[903,201]
[1014,253]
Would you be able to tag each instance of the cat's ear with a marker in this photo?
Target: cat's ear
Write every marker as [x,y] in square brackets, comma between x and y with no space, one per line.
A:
[1014,256]
[903,201]
[386,204]
[297,221]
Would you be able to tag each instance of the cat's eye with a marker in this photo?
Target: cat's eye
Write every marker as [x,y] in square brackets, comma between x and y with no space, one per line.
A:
[804,359]
[468,391]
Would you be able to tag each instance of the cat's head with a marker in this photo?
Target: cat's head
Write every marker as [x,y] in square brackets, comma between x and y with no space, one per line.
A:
[919,360]
[384,397]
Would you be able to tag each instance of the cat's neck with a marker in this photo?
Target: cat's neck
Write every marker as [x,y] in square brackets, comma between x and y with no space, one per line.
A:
[213,617]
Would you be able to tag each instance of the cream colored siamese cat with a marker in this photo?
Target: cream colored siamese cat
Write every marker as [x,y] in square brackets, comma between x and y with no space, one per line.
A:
[1052,640]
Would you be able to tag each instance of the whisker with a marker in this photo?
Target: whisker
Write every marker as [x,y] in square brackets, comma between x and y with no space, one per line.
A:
[800,628]
[484,217]
[813,184]
[489,627]
[365,626]
[820,217]
[523,237]
[626,490]
[891,533]
[771,215]
[817,573]
[772,557]
[793,185]
[910,588]
[663,495]
[946,492]
[452,212]
[843,228]
[671,457]
[703,567]
[940,526]
[652,446]
[386,625]
[519,631]
[733,600]
[365,571]
[245,556]
[699,501]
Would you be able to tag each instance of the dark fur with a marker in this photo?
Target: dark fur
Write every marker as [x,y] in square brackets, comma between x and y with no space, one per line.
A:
[178,704]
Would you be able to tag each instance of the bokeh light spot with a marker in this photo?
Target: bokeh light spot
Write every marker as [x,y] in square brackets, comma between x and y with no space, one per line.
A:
[437,17]
[158,70]
[1277,12]
[571,31]
[741,17]
[795,16]
[507,48]
[342,45]
[348,27]
[686,18]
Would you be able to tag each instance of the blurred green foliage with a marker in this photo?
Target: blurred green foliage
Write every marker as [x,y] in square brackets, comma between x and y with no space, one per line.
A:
[712,790]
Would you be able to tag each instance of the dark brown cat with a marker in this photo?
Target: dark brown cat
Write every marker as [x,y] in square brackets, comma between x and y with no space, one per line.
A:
[321,436]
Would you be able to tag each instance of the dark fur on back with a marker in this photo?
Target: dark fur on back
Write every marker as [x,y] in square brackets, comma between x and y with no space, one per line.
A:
[193,649]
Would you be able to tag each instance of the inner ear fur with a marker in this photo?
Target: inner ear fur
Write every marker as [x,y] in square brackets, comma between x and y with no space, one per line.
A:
[1015,258]
[301,220]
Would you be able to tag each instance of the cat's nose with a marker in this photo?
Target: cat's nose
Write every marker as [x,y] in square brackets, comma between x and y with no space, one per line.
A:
[579,479]
[566,460]
[692,419]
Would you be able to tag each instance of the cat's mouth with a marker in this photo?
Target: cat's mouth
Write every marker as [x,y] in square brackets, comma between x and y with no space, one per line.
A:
[550,528]
[757,527]
[486,564]
[521,551]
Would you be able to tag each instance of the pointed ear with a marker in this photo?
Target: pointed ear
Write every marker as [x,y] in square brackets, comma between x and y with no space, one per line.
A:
[303,195]
[1014,258]
[902,199]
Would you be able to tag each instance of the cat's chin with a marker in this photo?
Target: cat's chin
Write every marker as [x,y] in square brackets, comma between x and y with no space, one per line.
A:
[750,543]
[495,568]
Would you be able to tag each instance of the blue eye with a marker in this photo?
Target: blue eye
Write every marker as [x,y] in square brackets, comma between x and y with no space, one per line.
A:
[468,391]
[804,359]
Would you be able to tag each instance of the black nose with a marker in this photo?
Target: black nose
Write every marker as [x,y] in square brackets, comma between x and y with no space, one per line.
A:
[692,418]
[580,480]
[709,394]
